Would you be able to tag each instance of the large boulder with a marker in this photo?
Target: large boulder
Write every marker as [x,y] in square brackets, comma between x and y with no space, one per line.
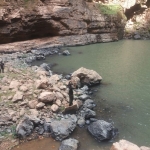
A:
[62,128]
[47,97]
[69,144]
[102,130]
[87,77]
[124,145]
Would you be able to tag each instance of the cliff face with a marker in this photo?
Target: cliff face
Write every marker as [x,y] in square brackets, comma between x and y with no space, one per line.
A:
[24,20]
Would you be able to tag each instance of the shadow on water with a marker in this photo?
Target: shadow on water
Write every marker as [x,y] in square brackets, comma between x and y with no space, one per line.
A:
[80,52]
[53,65]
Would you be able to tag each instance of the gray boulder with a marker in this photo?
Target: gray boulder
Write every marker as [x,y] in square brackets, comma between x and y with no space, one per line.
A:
[60,129]
[69,144]
[88,113]
[24,128]
[89,104]
[102,130]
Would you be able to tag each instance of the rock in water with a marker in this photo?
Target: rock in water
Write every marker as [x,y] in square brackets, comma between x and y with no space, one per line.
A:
[66,53]
[102,130]
[87,77]
[124,145]
[61,129]
[45,66]
[69,144]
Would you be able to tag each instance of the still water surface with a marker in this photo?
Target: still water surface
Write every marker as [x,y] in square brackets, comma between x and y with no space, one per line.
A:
[124,95]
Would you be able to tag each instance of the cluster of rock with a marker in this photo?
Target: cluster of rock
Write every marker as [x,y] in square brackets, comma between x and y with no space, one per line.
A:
[38,100]
[72,144]
[22,58]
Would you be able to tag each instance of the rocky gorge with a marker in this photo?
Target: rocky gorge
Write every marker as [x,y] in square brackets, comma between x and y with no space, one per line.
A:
[43,24]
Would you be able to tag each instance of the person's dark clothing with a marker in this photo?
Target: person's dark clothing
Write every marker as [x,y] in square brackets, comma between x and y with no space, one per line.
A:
[70,94]
[1,67]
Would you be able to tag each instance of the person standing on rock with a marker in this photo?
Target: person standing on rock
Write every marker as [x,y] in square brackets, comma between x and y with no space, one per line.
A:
[70,93]
[1,67]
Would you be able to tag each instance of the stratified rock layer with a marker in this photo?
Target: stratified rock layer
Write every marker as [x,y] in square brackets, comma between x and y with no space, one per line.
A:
[24,21]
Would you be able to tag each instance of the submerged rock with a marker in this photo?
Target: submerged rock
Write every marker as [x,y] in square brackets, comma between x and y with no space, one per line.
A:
[69,144]
[102,130]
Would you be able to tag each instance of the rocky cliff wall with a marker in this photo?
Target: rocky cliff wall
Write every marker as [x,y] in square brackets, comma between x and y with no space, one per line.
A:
[30,19]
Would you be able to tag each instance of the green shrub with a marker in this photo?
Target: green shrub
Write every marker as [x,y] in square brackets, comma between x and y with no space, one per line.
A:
[109,9]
